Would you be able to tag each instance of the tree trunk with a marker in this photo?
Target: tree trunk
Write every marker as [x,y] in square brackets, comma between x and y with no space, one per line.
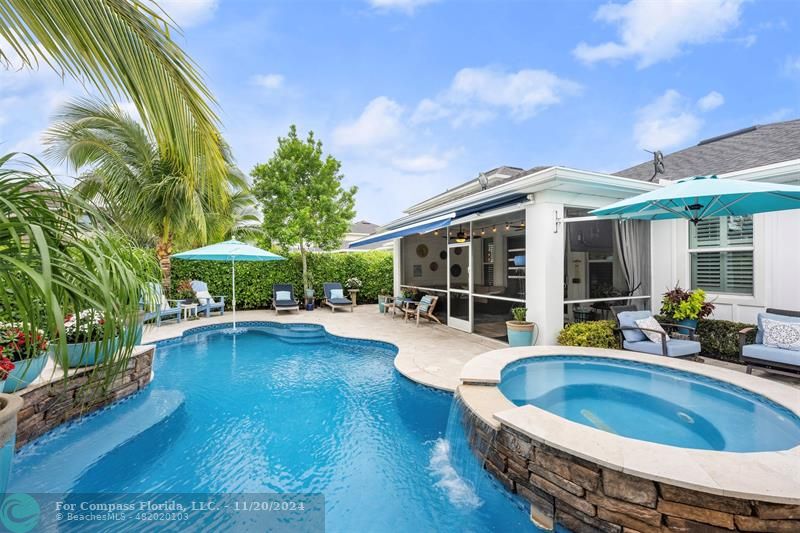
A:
[305,267]
[163,252]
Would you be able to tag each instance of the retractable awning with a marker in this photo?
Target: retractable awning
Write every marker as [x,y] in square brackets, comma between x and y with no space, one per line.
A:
[418,227]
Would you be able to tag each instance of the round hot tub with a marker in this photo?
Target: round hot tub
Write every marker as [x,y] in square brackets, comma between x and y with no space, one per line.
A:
[652,403]
[598,440]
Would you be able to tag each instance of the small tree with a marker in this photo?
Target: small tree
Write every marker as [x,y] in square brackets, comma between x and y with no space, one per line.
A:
[302,197]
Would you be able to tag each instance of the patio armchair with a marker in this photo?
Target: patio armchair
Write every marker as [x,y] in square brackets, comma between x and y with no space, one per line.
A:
[206,303]
[334,297]
[423,308]
[632,337]
[770,357]
[157,306]
[394,304]
[283,298]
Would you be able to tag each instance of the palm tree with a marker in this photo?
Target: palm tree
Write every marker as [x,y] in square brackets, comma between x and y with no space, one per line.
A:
[123,48]
[158,202]
[51,264]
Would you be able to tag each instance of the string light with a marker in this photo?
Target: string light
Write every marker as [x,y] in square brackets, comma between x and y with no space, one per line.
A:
[508,226]
[494,229]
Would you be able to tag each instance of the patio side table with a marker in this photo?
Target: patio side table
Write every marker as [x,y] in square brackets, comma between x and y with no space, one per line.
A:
[189,310]
[353,295]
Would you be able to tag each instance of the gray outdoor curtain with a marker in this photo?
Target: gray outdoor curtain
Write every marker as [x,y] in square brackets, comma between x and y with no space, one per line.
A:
[632,241]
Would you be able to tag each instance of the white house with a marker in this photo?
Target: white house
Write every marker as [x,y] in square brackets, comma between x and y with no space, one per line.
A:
[518,237]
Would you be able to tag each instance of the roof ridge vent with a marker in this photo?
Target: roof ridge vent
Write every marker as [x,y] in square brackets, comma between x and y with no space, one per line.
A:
[727,135]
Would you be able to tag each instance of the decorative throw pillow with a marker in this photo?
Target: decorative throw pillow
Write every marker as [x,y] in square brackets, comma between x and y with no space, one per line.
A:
[779,334]
[204,297]
[651,324]
[164,303]
[337,293]
[283,295]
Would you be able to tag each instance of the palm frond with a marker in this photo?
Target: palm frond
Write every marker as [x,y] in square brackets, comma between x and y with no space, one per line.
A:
[123,47]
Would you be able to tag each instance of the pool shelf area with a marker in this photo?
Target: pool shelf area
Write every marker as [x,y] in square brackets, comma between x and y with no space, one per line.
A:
[580,475]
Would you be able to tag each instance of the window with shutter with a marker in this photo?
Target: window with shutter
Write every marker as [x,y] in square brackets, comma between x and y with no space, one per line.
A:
[722,255]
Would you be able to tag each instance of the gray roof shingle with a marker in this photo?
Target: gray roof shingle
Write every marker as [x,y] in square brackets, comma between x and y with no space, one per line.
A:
[746,148]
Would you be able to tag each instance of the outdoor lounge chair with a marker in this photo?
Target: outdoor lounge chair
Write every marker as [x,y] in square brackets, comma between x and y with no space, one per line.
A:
[632,337]
[206,303]
[283,298]
[334,297]
[423,308]
[156,306]
[769,357]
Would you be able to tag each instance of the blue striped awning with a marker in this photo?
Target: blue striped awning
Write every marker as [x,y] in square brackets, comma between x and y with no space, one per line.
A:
[410,229]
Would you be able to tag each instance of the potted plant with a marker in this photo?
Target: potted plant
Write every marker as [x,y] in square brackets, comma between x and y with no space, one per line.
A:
[24,354]
[87,343]
[685,307]
[520,331]
[353,285]
[185,292]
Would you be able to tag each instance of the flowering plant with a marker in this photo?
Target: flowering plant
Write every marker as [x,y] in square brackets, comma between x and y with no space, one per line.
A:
[353,283]
[17,343]
[86,326]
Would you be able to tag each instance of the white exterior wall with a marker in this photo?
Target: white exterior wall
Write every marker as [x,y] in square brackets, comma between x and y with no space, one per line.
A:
[544,269]
[776,265]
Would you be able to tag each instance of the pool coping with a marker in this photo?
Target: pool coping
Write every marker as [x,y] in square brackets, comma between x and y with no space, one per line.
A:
[763,476]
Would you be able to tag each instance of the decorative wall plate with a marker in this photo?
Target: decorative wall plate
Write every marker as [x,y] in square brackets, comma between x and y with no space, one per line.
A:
[422,250]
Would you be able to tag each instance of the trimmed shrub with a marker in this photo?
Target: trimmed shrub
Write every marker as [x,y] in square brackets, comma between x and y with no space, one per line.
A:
[594,334]
[720,339]
[254,280]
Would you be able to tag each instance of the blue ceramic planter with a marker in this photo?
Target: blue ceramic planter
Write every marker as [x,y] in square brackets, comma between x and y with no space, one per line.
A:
[24,373]
[689,323]
[521,333]
[87,354]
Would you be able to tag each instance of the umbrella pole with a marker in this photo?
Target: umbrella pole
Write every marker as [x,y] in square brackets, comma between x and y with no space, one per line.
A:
[233,276]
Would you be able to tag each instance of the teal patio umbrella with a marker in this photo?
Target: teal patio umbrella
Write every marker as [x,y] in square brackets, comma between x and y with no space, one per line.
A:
[232,251]
[704,197]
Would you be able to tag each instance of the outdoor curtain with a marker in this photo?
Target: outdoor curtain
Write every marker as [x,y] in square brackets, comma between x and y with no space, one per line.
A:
[632,241]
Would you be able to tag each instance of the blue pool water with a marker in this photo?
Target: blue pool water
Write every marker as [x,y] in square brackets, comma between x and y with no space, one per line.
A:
[296,411]
[652,403]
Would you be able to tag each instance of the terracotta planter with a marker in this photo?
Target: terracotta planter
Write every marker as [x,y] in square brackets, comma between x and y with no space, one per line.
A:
[9,407]
[521,333]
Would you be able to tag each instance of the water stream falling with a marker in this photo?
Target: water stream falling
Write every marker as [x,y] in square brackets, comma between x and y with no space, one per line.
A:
[459,468]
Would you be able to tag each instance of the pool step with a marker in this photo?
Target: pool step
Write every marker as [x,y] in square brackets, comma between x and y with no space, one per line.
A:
[119,425]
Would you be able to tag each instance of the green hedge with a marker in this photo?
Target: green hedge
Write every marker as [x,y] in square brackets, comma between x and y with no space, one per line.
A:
[254,280]
[594,334]
[720,338]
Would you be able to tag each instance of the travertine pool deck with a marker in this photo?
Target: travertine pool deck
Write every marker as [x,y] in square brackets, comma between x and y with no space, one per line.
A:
[430,354]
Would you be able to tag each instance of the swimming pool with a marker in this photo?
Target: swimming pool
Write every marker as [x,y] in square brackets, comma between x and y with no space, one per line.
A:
[278,408]
[652,403]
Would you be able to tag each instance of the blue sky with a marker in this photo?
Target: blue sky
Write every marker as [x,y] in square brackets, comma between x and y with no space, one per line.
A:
[414,96]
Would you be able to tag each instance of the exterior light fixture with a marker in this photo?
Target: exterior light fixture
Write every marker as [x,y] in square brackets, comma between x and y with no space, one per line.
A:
[483,231]
[494,229]
[508,226]
[460,236]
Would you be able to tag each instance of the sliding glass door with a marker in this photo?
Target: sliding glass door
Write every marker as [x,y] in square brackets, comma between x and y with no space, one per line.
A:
[459,280]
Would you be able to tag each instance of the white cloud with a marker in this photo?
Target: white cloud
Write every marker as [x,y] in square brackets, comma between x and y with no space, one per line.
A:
[188,13]
[666,123]
[477,95]
[269,81]
[427,162]
[381,121]
[655,31]
[407,6]
[791,65]
[710,101]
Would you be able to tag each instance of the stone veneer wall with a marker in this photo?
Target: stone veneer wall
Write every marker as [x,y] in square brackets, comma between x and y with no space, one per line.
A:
[585,497]
[49,405]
